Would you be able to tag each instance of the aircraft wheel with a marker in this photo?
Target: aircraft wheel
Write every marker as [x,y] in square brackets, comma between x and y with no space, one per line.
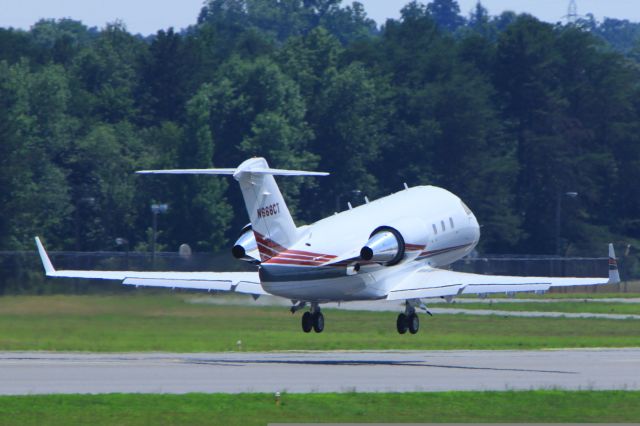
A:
[307,322]
[402,323]
[318,322]
[413,323]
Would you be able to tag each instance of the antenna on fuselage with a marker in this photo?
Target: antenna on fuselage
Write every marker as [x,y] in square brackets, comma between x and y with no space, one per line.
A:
[405,185]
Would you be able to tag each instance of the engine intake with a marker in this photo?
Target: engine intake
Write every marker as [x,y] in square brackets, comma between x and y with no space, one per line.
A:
[385,246]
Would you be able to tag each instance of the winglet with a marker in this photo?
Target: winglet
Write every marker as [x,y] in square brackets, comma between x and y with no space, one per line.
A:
[614,275]
[46,262]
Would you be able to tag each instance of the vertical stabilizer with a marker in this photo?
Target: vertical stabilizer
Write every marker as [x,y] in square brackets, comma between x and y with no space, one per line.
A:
[271,220]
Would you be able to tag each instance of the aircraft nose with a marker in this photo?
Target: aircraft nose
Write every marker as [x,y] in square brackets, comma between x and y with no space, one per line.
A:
[476,227]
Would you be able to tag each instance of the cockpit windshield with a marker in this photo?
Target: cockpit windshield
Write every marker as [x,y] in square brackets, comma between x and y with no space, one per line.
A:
[466,209]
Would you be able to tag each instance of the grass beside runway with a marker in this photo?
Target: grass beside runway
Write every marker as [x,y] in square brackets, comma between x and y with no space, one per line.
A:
[260,409]
[585,306]
[162,322]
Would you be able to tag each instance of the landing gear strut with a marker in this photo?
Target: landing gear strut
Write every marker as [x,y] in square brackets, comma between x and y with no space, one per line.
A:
[313,319]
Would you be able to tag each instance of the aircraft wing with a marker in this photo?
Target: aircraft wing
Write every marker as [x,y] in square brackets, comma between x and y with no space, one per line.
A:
[238,282]
[430,282]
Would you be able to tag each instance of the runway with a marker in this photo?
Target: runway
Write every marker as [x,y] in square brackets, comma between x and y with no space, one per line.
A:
[394,371]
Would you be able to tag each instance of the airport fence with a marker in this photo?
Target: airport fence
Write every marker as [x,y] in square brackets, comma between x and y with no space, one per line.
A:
[22,273]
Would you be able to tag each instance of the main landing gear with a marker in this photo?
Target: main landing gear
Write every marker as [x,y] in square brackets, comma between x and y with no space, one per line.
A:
[408,320]
[311,320]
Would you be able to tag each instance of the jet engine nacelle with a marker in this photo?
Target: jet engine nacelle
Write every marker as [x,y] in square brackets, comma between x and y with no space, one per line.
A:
[388,244]
[246,247]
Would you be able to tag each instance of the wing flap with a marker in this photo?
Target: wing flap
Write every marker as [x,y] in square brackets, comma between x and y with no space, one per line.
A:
[174,283]
[505,288]
[244,287]
[420,293]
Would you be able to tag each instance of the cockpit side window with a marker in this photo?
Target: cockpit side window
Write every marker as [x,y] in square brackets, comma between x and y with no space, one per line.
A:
[466,209]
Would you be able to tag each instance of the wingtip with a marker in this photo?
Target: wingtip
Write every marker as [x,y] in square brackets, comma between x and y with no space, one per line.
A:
[614,274]
[46,262]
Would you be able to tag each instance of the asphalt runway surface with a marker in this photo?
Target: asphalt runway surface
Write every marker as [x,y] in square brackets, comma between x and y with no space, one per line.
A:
[394,371]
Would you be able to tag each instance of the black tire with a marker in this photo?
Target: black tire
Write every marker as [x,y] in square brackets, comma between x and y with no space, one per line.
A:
[307,322]
[413,323]
[402,324]
[318,322]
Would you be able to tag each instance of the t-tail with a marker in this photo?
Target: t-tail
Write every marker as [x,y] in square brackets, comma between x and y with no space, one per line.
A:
[271,220]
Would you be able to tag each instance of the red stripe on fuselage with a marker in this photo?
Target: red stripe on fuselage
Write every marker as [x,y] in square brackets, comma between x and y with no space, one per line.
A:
[308,253]
[269,243]
[290,262]
[272,252]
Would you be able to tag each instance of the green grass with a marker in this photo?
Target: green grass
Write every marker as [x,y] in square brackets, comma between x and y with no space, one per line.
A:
[160,322]
[588,305]
[626,289]
[260,409]
[591,295]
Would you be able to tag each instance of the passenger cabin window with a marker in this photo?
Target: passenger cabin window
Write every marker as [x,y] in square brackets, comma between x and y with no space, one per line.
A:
[435,230]
[442,224]
[451,223]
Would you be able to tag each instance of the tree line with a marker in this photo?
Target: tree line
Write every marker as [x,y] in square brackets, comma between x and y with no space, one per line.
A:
[535,125]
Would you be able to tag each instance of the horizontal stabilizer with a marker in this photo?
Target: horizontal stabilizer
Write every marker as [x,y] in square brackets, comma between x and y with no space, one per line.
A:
[234,172]
[283,172]
[188,172]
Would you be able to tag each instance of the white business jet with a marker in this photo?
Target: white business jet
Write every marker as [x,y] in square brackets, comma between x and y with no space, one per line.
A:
[393,248]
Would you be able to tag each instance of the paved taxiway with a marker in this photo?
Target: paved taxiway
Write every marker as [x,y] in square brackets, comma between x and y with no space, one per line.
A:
[41,372]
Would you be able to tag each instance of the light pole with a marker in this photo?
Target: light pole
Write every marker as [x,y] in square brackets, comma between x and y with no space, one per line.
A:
[560,197]
[156,209]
